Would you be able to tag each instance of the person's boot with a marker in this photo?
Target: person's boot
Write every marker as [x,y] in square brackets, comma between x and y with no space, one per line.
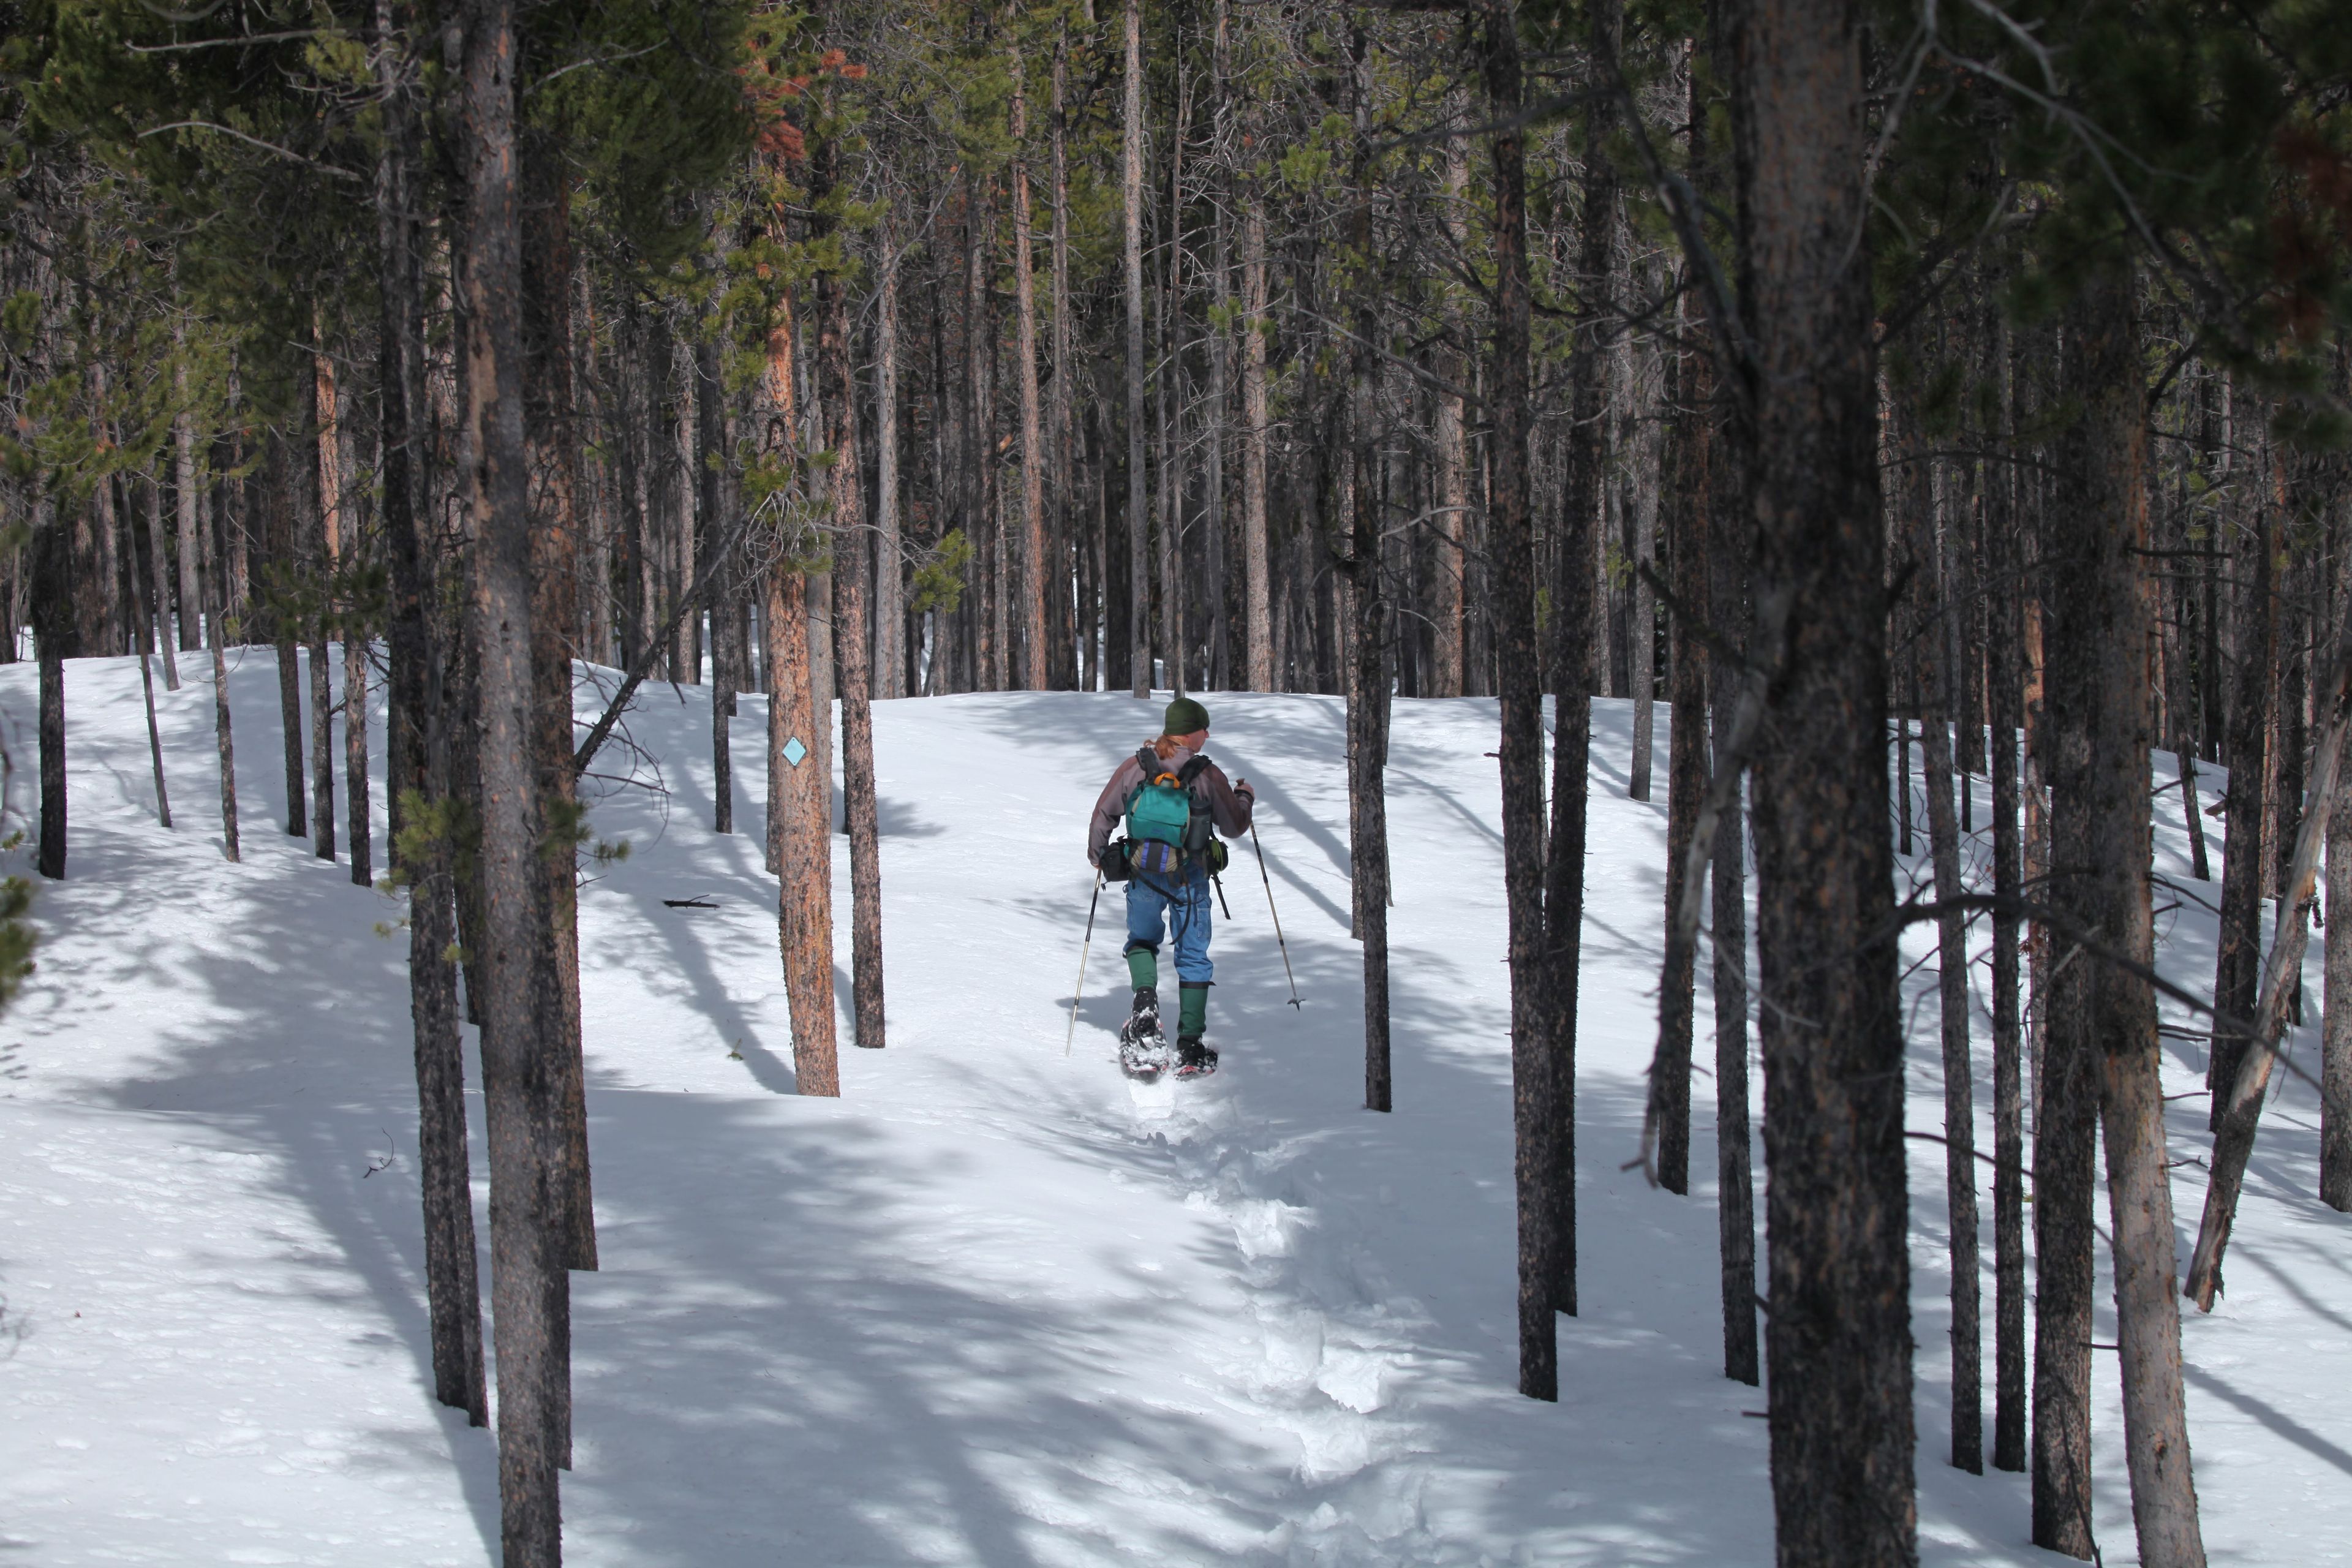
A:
[1194,1059]
[1143,1020]
[1142,1047]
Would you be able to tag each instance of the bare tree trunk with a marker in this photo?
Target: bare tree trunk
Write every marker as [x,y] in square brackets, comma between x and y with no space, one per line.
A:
[1451,438]
[322,752]
[2184,757]
[184,488]
[511,978]
[684,550]
[598,508]
[1216,668]
[837,322]
[95,584]
[1138,600]
[2291,683]
[1065,663]
[2282,971]
[2237,963]
[632,455]
[13,592]
[323,541]
[1612,588]
[2102,1021]
[56,630]
[160,573]
[551,432]
[985,605]
[823,680]
[357,808]
[778,411]
[1735,1160]
[668,395]
[235,544]
[1575,606]
[716,501]
[1258,610]
[2065,1130]
[710,453]
[889,600]
[1368,692]
[142,627]
[222,736]
[1175,645]
[1686,768]
[2336,1047]
[1538,1071]
[2179,692]
[1905,839]
[804,839]
[1965,630]
[1928,605]
[2035,851]
[1030,577]
[1839,1339]
[2005,566]
[416,763]
[1644,642]
[522,1013]
[1721,460]
[282,493]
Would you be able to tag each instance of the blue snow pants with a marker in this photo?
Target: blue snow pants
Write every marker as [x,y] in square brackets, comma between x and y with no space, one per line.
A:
[1156,904]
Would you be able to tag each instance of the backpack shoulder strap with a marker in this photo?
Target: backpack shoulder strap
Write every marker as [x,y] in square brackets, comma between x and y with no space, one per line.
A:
[1149,761]
[1191,771]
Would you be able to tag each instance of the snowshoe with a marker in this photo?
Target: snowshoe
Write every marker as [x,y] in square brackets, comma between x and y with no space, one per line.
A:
[1194,1059]
[1143,1051]
[1145,1060]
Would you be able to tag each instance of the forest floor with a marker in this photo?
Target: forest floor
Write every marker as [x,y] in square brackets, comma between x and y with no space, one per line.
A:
[996,1305]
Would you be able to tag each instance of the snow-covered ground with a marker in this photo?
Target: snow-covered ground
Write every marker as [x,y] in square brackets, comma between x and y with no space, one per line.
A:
[996,1305]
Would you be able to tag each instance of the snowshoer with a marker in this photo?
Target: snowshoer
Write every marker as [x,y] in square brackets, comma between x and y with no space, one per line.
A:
[1172,803]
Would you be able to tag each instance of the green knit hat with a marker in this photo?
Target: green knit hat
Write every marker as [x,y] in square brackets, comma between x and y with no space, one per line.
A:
[1184,716]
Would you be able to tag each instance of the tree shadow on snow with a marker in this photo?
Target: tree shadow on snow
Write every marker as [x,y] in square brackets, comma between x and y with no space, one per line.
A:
[769,1369]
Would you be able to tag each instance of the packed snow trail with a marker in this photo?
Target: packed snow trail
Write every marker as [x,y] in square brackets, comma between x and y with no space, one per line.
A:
[993,1305]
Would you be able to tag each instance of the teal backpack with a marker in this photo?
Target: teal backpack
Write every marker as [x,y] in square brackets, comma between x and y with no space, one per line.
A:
[1166,825]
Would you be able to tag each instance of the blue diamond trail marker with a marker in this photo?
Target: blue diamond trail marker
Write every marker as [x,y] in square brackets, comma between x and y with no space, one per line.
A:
[794,751]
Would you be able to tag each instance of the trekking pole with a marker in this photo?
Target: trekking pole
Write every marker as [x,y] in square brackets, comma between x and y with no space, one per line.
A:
[1072,1033]
[1285,946]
